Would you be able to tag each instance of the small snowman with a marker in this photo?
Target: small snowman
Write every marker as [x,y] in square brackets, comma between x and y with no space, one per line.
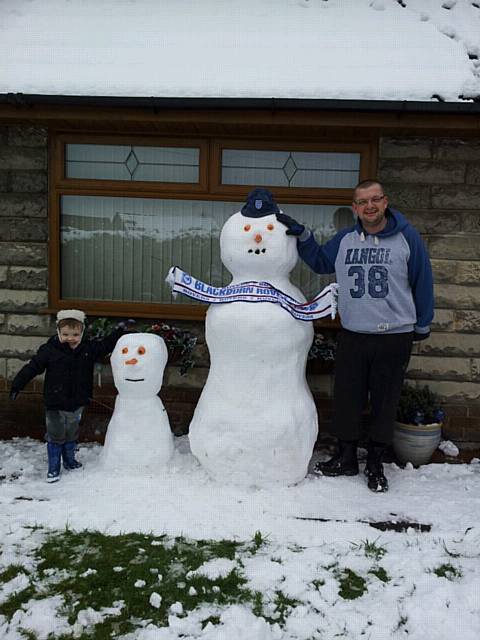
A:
[138,436]
[256,422]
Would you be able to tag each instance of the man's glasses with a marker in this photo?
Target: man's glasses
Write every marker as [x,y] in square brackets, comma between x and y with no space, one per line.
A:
[364,201]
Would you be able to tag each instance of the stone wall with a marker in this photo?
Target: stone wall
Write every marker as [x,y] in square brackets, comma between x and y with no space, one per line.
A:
[23,245]
[436,183]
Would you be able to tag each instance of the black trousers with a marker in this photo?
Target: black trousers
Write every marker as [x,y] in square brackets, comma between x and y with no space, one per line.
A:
[369,372]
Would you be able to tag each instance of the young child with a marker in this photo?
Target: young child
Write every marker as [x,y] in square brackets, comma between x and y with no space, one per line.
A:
[68,359]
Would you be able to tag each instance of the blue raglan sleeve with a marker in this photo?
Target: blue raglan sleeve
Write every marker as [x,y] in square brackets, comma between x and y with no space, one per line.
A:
[421,280]
[320,258]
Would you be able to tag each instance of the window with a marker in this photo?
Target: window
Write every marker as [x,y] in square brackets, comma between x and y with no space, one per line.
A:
[290,168]
[132,162]
[124,210]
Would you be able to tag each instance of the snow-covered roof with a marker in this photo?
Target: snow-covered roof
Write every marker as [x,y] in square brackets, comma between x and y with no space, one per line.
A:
[414,50]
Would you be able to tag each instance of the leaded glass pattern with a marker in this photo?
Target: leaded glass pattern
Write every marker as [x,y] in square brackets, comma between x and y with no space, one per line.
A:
[120,249]
[294,169]
[132,162]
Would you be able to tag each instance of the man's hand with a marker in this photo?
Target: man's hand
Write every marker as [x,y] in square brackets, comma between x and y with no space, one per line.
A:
[418,337]
[13,393]
[294,228]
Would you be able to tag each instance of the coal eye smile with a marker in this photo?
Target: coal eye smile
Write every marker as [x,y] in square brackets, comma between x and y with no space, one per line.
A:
[257,251]
[135,380]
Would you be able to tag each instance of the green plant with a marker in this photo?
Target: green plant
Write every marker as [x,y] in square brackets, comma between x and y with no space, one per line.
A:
[352,585]
[380,573]
[179,342]
[447,571]
[323,347]
[419,405]
[371,549]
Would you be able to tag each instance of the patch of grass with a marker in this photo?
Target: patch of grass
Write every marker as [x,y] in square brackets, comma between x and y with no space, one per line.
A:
[117,576]
[352,585]
[259,540]
[447,571]
[29,635]
[296,548]
[380,573]
[11,572]
[274,610]
[402,622]
[90,569]
[283,606]
[257,603]
[215,620]
[15,601]
[317,583]
[371,549]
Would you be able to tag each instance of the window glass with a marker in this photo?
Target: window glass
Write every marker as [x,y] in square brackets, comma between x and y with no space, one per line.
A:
[120,248]
[293,169]
[130,162]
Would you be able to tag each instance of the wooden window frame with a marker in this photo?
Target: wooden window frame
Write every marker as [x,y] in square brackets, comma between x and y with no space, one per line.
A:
[302,195]
[209,187]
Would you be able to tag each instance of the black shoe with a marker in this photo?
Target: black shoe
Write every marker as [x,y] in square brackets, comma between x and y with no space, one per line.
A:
[343,463]
[376,479]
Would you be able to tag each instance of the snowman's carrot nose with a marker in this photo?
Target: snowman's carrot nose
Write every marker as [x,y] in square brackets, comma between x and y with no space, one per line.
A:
[258,238]
[131,361]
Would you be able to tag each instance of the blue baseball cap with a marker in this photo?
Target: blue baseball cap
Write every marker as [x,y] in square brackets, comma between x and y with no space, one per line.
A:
[260,202]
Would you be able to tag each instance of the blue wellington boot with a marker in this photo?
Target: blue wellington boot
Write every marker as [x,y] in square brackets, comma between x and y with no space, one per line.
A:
[68,455]
[54,451]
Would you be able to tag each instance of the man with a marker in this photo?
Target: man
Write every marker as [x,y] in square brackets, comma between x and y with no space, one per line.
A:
[385,303]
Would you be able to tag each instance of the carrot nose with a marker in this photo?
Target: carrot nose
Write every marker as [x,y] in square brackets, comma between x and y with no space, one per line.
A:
[131,361]
[258,238]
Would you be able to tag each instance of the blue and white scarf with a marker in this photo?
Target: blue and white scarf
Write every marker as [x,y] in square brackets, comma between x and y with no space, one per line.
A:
[324,304]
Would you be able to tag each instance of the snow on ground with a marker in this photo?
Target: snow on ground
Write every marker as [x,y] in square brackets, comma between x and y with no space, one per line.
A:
[343,49]
[184,501]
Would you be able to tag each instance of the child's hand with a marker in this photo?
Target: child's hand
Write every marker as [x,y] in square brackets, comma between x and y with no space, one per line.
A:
[13,393]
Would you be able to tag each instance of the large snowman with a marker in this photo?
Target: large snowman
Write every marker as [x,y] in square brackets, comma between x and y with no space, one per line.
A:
[138,436]
[256,422]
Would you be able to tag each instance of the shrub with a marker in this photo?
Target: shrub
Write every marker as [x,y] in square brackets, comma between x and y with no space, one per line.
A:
[419,405]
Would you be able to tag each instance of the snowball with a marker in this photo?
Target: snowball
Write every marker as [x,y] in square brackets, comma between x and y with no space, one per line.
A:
[155,600]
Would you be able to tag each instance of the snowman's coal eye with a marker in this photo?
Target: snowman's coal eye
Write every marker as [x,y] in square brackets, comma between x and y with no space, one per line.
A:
[125,350]
[141,350]
[247,227]
[270,227]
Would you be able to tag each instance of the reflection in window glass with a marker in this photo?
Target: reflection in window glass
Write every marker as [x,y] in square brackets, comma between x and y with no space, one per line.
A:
[120,249]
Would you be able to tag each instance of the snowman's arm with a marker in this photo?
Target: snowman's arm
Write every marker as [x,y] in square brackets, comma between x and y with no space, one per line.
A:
[320,258]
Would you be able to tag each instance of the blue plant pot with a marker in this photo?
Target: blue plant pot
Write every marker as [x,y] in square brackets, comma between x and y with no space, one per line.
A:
[416,443]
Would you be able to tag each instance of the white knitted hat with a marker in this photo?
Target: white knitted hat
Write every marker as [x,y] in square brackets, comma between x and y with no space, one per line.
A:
[71,314]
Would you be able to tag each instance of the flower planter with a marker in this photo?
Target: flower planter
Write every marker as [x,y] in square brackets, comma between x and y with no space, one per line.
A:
[174,355]
[416,443]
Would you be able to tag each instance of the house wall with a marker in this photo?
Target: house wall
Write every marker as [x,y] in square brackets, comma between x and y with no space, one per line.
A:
[434,181]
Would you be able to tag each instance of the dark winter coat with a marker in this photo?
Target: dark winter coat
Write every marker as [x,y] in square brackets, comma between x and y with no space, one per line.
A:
[68,381]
